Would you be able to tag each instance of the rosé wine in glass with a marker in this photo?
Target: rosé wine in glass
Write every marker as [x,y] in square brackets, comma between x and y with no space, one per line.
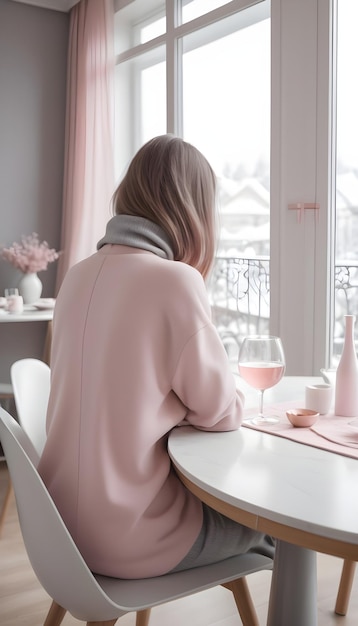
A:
[262,375]
[262,365]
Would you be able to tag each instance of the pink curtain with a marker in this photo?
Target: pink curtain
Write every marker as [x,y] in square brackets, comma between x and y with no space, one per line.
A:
[88,168]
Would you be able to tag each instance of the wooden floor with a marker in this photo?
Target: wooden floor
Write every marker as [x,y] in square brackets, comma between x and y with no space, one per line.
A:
[23,602]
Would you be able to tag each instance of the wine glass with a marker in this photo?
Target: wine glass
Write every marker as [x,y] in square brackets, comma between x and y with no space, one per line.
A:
[262,365]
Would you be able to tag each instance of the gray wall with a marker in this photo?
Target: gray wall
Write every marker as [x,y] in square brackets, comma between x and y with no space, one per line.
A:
[33,60]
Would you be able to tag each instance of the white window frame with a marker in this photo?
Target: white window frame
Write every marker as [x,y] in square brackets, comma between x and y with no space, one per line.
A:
[302,110]
[301,170]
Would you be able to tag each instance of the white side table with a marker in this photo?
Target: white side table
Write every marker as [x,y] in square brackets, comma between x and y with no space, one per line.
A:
[31,314]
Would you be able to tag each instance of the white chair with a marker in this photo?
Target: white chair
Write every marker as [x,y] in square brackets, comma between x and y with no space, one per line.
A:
[31,387]
[60,568]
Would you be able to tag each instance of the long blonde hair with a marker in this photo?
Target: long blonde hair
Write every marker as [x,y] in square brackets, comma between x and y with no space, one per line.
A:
[172,184]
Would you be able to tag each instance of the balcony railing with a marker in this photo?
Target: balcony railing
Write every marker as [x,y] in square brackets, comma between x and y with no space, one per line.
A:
[346,301]
[239,290]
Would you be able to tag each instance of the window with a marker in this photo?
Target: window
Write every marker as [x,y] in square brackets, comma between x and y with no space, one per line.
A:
[346,174]
[206,77]
[252,85]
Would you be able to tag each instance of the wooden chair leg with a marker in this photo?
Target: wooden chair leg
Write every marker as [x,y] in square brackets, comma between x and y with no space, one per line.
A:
[243,601]
[55,615]
[143,617]
[6,504]
[345,587]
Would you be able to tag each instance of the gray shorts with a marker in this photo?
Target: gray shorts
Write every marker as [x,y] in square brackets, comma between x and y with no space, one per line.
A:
[221,538]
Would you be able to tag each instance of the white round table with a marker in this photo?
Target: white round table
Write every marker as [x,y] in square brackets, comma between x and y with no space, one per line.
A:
[303,496]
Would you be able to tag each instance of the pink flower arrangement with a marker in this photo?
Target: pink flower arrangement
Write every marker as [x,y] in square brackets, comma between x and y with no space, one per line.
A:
[30,256]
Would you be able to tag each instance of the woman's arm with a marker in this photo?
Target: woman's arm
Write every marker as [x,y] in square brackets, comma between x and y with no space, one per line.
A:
[204,382]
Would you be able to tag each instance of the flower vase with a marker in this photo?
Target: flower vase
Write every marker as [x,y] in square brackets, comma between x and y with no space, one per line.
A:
[30,288]
[347,374]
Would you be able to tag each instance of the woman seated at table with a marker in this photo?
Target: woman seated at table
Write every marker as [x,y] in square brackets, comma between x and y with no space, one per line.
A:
[134,355]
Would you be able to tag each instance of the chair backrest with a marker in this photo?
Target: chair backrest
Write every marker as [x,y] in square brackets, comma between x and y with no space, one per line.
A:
[31,386]
[54,557]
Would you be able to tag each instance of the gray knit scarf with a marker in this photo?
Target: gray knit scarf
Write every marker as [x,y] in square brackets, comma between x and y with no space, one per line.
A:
[137,232]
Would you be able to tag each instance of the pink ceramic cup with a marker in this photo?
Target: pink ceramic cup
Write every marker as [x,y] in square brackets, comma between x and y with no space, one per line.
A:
[14,304]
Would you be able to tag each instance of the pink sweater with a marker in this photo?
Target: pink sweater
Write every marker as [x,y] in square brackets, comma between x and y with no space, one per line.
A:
[134,354]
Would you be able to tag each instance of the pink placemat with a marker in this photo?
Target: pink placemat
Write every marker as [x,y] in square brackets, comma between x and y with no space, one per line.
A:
[330,432]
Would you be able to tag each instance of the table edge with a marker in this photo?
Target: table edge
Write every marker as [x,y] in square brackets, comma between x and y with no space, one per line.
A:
[305,539]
